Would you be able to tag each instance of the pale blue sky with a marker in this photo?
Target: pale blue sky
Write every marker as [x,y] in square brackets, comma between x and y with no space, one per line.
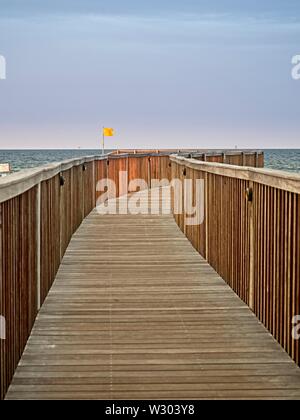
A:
[162,73]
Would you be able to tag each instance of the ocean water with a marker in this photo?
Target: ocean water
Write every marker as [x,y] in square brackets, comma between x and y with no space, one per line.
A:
[283,159]
[23,159]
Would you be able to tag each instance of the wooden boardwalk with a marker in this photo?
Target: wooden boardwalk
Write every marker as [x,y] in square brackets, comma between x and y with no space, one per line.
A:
[136,313]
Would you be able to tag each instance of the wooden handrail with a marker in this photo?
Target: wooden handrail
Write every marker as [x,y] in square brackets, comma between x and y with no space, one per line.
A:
[19,182]
[273,178]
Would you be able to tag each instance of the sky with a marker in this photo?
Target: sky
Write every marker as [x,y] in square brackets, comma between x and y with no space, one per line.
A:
[163,73]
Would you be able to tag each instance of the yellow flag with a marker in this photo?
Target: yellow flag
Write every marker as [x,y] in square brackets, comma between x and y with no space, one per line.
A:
[108,132]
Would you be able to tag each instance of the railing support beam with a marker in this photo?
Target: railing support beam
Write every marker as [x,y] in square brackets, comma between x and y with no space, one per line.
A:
[38,244]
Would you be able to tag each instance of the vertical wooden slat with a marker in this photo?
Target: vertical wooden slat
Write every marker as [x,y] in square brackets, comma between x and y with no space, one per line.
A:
[251,250]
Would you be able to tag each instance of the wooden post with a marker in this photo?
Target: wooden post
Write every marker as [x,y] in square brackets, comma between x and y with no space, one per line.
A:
[61,218]
[252,247]
[206,218]
[94,182]
[149,173]
[243,159]
[38,245]
[83,170]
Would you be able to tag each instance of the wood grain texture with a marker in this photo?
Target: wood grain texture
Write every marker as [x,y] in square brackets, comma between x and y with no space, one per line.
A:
[135,312]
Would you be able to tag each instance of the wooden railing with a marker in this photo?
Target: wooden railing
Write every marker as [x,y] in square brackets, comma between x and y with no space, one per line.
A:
[39,212]
[40,209]
[247,158]
[251,237]
[231,157]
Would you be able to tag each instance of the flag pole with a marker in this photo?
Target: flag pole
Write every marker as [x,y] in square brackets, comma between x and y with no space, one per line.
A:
[103,142]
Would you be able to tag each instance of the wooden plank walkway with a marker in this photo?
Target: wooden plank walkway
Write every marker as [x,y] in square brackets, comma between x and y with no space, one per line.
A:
[136,313]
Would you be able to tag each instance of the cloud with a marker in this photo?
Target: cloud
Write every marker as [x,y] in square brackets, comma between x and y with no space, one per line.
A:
[266,9]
